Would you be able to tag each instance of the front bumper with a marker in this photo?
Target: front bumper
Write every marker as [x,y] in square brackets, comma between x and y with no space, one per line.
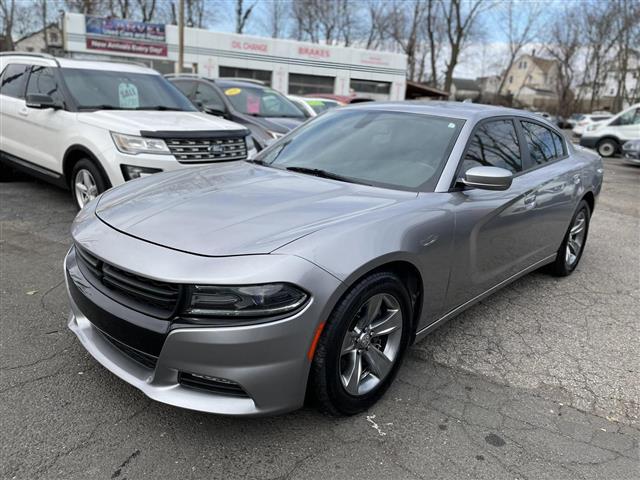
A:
[268,360]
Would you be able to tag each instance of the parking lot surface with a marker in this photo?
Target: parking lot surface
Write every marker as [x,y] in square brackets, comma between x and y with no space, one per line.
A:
[538,381]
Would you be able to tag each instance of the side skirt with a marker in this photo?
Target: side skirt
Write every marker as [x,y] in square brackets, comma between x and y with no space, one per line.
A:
[34,170]
[456,311]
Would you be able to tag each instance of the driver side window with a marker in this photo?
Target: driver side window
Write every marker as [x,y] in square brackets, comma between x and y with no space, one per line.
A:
[494,144]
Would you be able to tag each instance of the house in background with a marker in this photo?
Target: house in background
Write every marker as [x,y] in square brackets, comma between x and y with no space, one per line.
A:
[465,89]
[531,82]
[489,88]
[37,42]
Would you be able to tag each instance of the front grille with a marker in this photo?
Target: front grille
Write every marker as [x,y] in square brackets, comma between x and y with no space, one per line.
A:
[220,386]
[144,359]
[192,150]
[140,293]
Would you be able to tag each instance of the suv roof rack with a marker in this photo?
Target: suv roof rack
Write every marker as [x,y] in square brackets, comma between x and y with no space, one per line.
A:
[243,79]
[46,56]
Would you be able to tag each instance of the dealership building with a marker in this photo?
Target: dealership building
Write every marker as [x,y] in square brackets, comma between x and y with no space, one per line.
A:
[292,67]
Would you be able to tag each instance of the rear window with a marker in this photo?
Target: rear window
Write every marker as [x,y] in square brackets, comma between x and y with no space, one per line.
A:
[543,144]
[14,79]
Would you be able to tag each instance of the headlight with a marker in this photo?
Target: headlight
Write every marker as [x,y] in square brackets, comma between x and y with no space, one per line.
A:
[592,127]
[133,145]
[631,146]
[244,301]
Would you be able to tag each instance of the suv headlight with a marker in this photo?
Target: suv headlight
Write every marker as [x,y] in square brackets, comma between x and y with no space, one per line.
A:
[592,127]
[134,145]
[244,301]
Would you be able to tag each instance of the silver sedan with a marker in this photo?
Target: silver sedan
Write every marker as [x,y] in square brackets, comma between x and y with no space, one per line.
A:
[244,287]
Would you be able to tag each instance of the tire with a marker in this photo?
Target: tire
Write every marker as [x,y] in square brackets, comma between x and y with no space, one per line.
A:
[330,367]
[6,172]
[565,263]
[607,147]
[81,169]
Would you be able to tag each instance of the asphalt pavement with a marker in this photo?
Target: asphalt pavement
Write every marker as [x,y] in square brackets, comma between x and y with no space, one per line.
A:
[539,381]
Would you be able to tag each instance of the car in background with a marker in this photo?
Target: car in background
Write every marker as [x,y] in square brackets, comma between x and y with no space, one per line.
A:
[608,136]
[314,106]
[574,119]
[341,99]
[589,119]
[90,125]
[264,111]
[631,151]
[308,271]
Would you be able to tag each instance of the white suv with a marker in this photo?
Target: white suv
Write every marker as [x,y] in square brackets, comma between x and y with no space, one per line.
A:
[608,137]
[89,125]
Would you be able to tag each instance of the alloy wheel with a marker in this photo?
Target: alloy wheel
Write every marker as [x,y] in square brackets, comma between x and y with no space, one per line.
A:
[85,187]
[575,241]
[606,149]
[371,345]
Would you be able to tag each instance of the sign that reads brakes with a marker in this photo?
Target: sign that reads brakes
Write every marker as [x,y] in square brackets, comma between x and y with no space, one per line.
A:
[127,46]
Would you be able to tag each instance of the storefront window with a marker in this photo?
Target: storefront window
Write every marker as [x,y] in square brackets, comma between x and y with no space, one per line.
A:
[262,75]
[306,84]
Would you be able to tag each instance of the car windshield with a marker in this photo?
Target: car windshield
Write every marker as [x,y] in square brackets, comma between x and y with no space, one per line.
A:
[390,149]
[112,90]
[320,106]
[260,101]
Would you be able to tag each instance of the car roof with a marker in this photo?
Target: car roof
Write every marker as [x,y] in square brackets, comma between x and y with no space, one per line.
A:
[461,110]
[238,83]
[49,60]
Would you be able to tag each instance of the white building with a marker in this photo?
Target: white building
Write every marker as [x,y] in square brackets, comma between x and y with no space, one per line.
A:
[291,67]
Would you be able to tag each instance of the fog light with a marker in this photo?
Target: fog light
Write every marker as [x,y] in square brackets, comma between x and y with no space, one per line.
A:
[131,172]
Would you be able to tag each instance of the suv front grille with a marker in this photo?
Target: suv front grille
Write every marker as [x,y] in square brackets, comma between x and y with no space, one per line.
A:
[191,150]
[156,298]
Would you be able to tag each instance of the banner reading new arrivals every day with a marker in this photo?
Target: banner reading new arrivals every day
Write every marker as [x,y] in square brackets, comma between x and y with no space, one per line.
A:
[117,35]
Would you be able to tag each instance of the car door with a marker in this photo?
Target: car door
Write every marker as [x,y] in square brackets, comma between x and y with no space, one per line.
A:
[45,126]
[498,233]
[12,89]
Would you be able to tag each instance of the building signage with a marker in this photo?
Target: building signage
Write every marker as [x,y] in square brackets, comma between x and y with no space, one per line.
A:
[314,52]
[116,27]
[251,46]
[127,46]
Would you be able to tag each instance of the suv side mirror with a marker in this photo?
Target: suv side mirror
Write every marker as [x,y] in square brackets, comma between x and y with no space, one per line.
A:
[36,100]
[488,178]
[213,109]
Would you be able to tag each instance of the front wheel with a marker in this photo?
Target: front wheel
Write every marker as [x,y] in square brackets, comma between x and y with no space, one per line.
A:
[362,345]
[87,182]
[572,247]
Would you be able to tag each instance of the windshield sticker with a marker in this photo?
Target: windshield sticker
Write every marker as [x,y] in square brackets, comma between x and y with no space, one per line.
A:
[128,95]
[253,104]
[317,103]
[230,92]
[452,125]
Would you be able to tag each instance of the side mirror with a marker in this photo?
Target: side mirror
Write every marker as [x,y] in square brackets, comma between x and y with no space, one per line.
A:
[214,110]
[36,100]
[488,178]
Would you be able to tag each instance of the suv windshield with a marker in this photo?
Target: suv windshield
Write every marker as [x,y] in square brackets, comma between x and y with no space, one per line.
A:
[260,101]
[390,149]
[110,90]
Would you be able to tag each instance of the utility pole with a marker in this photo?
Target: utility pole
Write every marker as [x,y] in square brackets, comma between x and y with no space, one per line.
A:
[180,36]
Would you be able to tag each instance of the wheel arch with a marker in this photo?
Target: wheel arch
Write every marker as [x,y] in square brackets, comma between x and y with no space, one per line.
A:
[74,154]
[590,198]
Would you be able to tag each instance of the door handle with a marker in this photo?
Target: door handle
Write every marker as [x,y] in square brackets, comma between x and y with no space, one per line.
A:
[530,202]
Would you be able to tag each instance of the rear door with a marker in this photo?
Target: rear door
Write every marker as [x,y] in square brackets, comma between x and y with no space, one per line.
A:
[498,233]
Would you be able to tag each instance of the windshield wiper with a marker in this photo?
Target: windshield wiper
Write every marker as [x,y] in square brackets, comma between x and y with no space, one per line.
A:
[99,107]
[162,108]
[317,172]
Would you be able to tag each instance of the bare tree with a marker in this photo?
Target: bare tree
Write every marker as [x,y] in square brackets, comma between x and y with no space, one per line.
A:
[406,19]
[242,15]
[459,22]
[520,22]
[275,17]
[434,33]
[379,20]
[147,9]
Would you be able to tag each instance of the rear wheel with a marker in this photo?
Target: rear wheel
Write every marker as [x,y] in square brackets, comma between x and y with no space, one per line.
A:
[87,182]
[572,246]
[607,147]
[362,345]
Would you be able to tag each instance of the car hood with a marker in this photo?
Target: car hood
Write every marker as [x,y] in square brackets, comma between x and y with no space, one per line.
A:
[132,122]
[276,124]
[235,209]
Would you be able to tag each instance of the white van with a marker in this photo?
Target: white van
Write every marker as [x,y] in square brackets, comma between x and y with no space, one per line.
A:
[607,137]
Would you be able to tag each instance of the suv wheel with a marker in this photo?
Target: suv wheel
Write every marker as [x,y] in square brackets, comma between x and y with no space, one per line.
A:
[362,345]
[607,147]
[86,182]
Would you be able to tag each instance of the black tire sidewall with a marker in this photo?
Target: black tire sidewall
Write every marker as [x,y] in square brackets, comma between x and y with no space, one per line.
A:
[561,266]
[325,367]
[86,164]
